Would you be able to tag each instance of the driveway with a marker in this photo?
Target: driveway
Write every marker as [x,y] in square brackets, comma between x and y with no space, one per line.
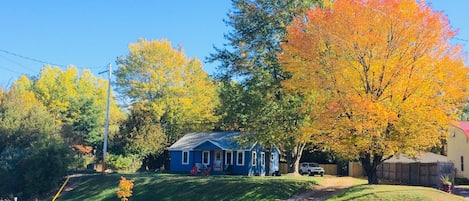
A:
[330,186]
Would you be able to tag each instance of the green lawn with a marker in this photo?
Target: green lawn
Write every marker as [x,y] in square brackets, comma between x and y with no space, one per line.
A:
[182,187]
[393,192]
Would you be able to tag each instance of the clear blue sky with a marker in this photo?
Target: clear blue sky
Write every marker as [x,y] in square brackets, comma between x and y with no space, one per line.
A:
[90,34]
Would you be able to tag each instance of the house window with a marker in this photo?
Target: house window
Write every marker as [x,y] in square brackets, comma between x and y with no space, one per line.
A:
[462,163]
[185,157]
[254,158]
[206,157]
[262,159]
[228,157]
[240,159]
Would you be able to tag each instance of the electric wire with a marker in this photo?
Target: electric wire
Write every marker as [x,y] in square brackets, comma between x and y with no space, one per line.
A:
[43,61]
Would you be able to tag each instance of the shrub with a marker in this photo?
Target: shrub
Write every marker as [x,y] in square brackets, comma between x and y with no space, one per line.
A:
[461,181]
[119,162]
[125,189]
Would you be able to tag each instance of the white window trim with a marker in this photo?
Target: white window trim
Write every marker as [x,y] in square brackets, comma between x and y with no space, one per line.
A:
[208,157]
[253,158]
[237,158]
[262,159]
[226,157]
[187,162]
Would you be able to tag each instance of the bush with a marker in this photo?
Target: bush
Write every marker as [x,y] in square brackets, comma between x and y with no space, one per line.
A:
[461,181]
[119,162]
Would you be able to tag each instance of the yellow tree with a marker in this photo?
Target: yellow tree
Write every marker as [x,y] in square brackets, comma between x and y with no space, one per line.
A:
[77,101]
[167,91]
[381,77]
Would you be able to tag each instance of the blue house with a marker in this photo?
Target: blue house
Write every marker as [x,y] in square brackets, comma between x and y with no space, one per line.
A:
[222,154]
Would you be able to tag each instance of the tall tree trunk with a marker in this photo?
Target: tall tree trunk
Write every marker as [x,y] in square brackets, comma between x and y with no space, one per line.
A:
[370,164]
[297,153]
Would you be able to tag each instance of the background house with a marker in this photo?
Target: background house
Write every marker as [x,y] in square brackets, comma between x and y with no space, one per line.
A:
[220,152]
[458,148]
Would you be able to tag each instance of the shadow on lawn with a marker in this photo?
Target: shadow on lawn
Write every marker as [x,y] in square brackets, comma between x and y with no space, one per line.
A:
[218,188]
[182,187]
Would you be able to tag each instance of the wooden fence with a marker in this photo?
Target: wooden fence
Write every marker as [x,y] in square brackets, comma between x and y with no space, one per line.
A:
[355,169]
[330,169]
[423,174]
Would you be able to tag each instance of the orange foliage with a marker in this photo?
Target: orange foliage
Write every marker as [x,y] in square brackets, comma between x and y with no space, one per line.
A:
[83,149]
[382,75]
[125,189]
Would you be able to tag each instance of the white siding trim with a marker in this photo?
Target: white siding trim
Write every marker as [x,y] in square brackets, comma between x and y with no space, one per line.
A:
[226,157]
[263,159]
[187,162]
[237,158]
[208,157]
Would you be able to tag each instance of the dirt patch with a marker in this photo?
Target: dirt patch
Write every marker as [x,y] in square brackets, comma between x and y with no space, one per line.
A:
[330,186]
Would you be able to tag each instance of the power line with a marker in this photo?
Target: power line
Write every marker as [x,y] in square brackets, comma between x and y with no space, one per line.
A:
[460,39]
[15,62]
[31,59]
[41,61]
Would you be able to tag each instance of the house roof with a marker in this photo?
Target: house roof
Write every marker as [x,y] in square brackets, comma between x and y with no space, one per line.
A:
[464,125]
[223,140]
[423,157]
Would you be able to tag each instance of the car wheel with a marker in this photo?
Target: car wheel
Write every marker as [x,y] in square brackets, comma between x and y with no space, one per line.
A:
[322,174]
[301,172]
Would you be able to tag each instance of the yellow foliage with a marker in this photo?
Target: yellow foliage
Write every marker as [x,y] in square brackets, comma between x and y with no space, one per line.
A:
[384,77]
[170,85]
[125,189]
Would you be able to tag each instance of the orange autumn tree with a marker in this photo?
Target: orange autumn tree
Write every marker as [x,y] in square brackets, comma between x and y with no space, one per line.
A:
[125,189]
[379,77]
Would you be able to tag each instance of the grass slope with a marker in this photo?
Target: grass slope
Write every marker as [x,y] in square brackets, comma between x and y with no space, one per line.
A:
[393,192]
[181,187]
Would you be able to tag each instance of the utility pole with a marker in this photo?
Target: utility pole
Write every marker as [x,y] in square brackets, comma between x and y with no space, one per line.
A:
[106,126]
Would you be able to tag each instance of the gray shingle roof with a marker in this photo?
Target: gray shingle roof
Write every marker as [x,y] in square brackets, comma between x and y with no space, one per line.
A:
[224,140]
[423,157]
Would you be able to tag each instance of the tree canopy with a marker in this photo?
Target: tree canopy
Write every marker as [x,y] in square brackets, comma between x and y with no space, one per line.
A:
[76,100]
[168,95]
[256,102]
[33,156]
[383,77]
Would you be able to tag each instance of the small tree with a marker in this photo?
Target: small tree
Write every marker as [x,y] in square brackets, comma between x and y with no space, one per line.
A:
[125,189]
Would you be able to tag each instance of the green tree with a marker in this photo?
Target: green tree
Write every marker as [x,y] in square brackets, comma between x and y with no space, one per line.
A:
[33,156]
[77,102]
[168,95]
[251,58]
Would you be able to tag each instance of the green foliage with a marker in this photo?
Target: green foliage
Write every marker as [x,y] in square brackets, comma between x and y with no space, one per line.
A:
[258,102]
[33,157]
[445,179]
[461,181]
[138,135]
[76,101]
[119,162]
[392,193]
[169,95]
[44,168]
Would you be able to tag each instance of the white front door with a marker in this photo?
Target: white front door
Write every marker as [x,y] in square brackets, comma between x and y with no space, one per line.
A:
[217,161]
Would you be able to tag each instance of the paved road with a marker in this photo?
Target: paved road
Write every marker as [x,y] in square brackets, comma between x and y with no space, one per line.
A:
[462,190]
